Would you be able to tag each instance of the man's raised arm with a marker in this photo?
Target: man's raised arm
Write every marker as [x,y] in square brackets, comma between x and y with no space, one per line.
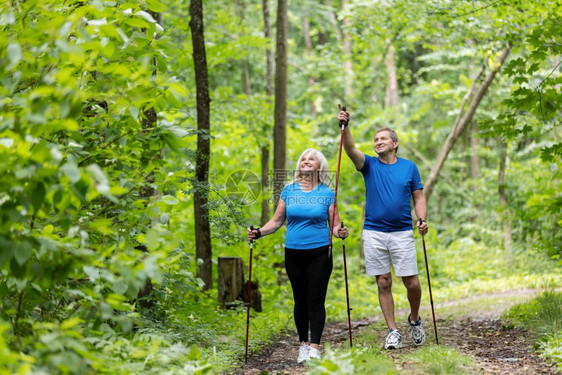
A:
[356,156]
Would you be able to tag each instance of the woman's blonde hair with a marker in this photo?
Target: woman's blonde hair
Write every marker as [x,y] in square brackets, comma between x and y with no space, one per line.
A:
[323,171]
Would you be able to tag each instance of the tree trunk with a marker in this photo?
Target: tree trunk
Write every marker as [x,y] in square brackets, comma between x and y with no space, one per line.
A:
[333,20]
[280,127]
[462,122]
[268,51]
[308,44]
[347,53]
[202,228]
[391,99]
[148,123]
[505,214]
[240,10]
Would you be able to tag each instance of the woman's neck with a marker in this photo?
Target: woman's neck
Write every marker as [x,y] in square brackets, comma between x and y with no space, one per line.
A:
[308,182]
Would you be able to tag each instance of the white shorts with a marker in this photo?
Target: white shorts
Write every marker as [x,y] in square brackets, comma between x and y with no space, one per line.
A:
[382,248]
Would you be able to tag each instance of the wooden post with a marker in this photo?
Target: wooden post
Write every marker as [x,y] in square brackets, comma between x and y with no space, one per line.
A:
[230,281]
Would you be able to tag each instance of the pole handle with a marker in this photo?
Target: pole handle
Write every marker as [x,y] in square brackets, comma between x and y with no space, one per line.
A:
[251,228]
[343,123]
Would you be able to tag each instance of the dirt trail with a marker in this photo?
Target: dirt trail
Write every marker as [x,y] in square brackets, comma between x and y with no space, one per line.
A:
[497,351]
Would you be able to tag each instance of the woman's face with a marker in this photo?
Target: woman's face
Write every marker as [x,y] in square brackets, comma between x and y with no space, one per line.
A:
[309,163]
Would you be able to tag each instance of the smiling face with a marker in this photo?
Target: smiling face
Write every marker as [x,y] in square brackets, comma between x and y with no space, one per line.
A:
[309,163]
[384,144]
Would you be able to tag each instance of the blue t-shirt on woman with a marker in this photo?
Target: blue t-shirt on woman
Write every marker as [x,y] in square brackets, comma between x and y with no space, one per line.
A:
[388,191]
[307,216]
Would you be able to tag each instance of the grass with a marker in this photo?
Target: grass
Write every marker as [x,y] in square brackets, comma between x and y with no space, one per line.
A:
[359,360]
[440,360]
[542,317]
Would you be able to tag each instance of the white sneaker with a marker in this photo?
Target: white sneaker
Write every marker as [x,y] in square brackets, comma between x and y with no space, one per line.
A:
[393,340]
[304,355]
[314,353]
[417,332]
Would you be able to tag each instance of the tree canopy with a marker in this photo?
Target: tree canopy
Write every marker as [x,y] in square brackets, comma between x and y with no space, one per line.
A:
[98,154]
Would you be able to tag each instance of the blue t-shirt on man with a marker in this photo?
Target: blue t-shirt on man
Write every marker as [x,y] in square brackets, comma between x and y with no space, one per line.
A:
[388,191]
[307,216]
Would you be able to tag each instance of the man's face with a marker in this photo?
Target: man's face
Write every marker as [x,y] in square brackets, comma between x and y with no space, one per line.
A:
[384,144]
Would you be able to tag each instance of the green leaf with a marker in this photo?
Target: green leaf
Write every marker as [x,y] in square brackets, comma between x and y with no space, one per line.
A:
[22,252]
[155,6]
[5,250]
[92,272]
[15,54]
[38,196]
[72,171]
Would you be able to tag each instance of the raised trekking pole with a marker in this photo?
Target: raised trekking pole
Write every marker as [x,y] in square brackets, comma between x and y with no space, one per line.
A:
[249,291]
[429,284]
[346,291]
[342,125]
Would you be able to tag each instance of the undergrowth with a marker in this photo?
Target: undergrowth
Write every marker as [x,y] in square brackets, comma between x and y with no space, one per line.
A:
[542,317]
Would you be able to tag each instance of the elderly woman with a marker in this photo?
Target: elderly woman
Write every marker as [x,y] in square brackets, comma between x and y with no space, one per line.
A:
[308,205]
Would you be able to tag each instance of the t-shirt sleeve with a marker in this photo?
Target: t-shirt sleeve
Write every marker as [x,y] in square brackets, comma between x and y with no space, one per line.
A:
[365,168]
[416,179]
[284,194]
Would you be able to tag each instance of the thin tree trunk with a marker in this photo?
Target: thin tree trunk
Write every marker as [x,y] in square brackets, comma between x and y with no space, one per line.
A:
[240,10]
[505,214]
[202,228]
[149,123]
[347,53]
[391,99]
[333,20]
[268,51]
[280,127]
[308,44]
[462,122]
[246,87]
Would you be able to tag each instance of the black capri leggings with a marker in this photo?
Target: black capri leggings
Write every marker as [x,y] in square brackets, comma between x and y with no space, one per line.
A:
[309,272]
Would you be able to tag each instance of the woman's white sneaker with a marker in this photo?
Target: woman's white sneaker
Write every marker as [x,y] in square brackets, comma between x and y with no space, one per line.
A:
[304,354]
[314,353]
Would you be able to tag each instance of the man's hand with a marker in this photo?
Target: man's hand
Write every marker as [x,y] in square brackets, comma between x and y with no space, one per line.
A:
[422,227]
[343,116]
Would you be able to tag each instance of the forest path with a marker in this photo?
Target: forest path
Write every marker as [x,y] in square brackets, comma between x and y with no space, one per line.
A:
[471,326]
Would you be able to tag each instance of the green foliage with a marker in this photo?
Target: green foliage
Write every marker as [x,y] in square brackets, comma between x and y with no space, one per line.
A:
[96,196]
[441,360]
[542,317]
[358,360]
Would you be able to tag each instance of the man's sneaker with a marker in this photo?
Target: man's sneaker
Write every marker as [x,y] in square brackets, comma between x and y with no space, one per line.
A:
[393,340]
[417,332]
[304,353]
[314,353]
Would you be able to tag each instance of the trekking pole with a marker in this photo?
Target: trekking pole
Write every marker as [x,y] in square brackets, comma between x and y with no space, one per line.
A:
[347,292]
[429,284]
[249,288]
[342,124]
